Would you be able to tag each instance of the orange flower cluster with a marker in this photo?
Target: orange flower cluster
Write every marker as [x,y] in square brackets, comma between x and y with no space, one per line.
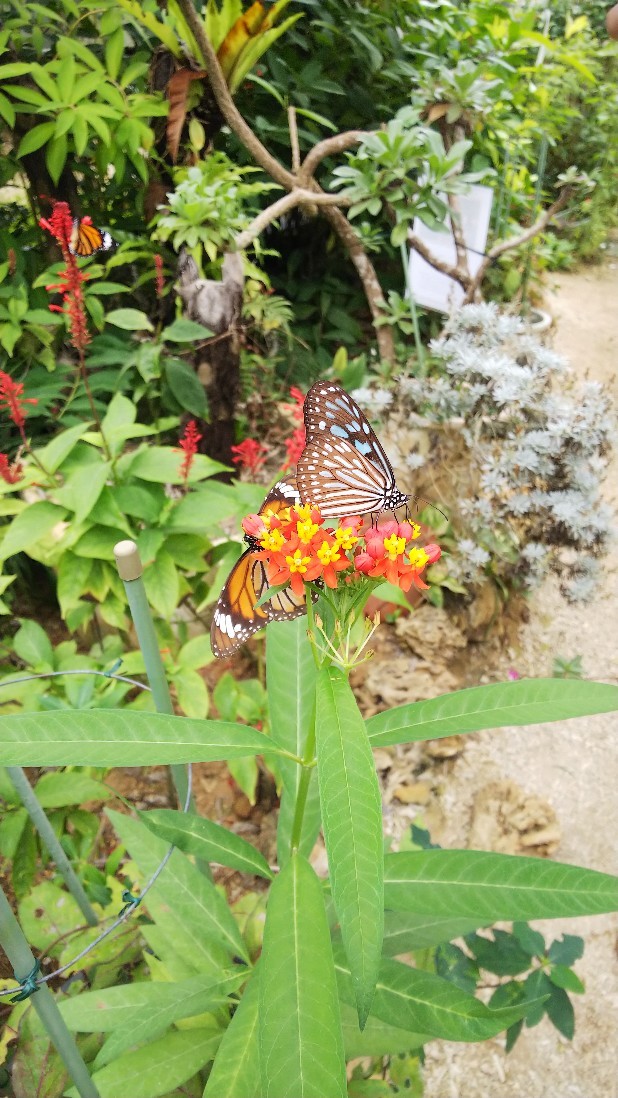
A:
[297,548]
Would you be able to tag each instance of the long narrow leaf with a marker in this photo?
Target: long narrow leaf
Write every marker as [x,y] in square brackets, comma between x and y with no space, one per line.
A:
[425,1003]
[102,737]
[183,902]
[205,839]
[488,887]
[529,701]
[352,819]
[291,679]
[301,1044]
[236,1070]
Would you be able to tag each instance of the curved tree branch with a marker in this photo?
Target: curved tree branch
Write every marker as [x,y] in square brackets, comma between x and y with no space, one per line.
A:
[297,197]
[338,143]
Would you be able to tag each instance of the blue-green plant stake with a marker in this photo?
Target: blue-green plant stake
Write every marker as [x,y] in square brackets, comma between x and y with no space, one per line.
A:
[130,570]
[20,955]
[30,802]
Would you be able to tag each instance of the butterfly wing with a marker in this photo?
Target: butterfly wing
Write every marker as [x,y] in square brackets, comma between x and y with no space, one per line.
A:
[237,615]
[343,468]
[86,239]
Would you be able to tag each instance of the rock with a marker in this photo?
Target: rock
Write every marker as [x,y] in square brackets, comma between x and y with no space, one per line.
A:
[430,631]
[415,793]
[508,820]
[406,679]
[448,747]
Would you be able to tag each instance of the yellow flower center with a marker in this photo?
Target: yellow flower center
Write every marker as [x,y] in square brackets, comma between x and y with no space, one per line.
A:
[328,553]
[346,538]
[297,563]
[418,559]
[272,540]
[395,546]
[306,530]
[416,530]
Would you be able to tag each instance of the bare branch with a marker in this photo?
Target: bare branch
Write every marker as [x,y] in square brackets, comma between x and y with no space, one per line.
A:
[298,197]
[294,140]
[338,143]
[516,241]
[453,271]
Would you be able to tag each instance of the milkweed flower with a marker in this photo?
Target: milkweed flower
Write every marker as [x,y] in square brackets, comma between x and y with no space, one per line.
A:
[189,443]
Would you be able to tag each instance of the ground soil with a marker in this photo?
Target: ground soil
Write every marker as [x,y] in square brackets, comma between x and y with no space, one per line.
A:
[554,784]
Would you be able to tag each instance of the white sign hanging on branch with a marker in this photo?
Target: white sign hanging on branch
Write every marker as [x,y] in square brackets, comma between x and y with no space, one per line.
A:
[430,288]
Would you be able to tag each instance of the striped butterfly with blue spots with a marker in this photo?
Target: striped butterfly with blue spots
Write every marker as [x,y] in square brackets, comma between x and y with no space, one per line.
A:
[343,469]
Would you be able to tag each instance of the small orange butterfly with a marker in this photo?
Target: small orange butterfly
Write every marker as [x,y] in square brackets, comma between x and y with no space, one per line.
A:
[86,239]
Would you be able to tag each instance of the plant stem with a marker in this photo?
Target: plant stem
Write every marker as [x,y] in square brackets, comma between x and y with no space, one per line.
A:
[20,955]
[93,408]
[303,787]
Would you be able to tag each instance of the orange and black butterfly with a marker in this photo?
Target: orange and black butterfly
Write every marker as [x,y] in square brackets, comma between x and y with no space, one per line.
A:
[86,239]
[237,615]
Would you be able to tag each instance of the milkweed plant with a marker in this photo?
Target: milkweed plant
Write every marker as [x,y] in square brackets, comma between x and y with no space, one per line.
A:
[272,997]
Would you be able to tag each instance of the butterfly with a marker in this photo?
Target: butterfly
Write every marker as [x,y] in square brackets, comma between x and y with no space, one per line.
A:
[86,239]
[237,615]
[343,469]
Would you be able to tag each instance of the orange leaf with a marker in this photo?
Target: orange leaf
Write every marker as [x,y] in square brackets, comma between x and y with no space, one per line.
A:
[245,28]
[177,92]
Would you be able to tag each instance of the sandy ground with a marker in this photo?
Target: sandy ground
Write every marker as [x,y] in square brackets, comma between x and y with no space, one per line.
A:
[573,765]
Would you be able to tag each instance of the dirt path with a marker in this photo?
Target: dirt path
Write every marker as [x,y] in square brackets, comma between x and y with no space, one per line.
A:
[573,765]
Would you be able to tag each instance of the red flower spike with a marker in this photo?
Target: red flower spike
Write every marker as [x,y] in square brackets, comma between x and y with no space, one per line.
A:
[250,455]
[188,443]
[13,400]
[294,446]
[159,279]
[11,472]
[72,278]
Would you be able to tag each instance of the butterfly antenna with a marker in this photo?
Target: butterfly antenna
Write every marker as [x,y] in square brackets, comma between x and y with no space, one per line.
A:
[429,504]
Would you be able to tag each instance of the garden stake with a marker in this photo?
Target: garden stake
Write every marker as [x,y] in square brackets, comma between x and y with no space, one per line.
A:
[130,570]
[20,955]
[48,836]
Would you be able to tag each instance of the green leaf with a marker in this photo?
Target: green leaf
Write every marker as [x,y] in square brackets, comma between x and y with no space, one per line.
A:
[98,543]
[60,790]
[191,693]
[425,1003]
[291,678]
[559,1010]
[196,653]
[404,931]
[161,464]
[352,823]
[100,737]
[183,901]
[11,830]
[528,701]
[131,320]
[301,1044]
[162,584]
[184,330]
[157,1068]
[377,1038]
[138,1011]
[33,646]
[82,489]
[564,977]
[492,887]
[56,155]
[206,840]
[56,451]
[35,138]
[30,527]
[47,913]
[236,1070]
[245,773]
[186,387]
[114,48]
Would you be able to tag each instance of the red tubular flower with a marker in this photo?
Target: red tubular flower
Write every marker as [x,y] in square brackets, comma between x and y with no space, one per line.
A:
[11,472]
[294,446]
[13,400]
[159,279]
[250,455]
[188,443]
[72,278]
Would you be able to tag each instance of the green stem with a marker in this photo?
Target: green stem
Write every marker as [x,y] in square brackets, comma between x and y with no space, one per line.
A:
[48,836]
[20,955]
[405,262]
[303,787]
